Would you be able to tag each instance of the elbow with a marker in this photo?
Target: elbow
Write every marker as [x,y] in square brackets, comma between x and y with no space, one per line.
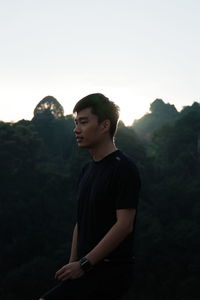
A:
[127,230]
[127,227]
[125,218]
[130,228]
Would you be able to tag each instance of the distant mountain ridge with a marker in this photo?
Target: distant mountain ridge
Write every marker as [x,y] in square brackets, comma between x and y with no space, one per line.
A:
[161,113]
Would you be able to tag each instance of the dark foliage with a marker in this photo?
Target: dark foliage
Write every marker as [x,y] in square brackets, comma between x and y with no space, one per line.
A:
[40,164]
[160,114]
[48,108]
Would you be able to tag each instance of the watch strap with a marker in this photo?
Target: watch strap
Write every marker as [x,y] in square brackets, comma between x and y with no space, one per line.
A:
[85,264]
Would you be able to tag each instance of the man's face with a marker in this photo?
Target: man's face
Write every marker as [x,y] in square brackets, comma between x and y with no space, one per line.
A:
[89,133]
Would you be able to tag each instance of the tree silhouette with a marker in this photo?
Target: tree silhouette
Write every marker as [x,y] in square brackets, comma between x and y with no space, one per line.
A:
[162,108]
[161,113]
[48,107]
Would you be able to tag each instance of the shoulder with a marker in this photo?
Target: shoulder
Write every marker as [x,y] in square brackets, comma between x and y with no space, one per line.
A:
[126,163]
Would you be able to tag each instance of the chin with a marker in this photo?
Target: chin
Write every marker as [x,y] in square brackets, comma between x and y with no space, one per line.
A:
[82,145]
[85,146]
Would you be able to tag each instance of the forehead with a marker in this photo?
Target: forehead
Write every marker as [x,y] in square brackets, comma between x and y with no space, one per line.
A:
[84,114]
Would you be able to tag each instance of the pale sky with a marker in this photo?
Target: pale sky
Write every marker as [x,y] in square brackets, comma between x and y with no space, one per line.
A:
[133,51]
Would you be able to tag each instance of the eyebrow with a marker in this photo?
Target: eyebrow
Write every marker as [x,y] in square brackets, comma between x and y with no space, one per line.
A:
[81,119]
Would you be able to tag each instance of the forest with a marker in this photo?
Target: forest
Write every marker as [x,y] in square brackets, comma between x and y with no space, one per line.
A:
[40,163]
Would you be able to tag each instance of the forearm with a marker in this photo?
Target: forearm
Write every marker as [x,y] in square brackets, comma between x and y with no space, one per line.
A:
[73,255]
[110,242]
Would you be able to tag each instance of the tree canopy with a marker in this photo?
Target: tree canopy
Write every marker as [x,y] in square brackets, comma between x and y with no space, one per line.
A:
[40,166]
[48,107]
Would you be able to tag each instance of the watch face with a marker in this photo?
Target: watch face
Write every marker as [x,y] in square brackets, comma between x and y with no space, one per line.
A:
[85,264]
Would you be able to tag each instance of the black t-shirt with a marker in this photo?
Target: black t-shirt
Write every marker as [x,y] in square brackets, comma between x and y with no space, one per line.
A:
[105,186]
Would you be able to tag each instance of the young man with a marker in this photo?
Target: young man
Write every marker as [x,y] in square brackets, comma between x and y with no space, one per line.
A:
[101,257]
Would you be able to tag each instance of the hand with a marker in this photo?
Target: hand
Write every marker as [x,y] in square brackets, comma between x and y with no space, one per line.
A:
[70,271]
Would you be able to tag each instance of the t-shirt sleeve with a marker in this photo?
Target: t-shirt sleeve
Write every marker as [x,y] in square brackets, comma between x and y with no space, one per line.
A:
[127,187]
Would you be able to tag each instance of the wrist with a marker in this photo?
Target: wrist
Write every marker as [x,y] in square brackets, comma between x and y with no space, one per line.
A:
[72,259]
[85,264]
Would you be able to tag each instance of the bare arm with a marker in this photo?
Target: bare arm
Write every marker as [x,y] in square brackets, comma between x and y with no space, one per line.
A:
[114,236]
[73,255]
[117,233]
[71,270]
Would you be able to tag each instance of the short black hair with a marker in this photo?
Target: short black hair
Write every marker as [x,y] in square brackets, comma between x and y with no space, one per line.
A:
[102,107]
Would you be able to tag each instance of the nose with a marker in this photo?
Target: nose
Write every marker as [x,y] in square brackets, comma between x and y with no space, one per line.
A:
[76,129]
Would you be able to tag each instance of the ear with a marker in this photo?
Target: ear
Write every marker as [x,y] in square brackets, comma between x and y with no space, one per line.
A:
[105,125]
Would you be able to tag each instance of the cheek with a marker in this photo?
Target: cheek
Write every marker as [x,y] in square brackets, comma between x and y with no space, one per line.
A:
[92,132]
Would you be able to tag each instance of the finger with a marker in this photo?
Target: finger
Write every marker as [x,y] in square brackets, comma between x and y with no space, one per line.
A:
[60,271]
[64,276]
[57,274]
[64,272]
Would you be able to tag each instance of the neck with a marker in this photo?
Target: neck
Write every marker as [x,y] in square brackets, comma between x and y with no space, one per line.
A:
[102,150]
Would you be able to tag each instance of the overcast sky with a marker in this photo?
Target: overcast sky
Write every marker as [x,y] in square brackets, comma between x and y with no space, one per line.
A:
[133,51]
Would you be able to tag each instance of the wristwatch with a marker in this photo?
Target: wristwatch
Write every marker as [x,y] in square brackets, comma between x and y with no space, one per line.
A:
[85,264]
